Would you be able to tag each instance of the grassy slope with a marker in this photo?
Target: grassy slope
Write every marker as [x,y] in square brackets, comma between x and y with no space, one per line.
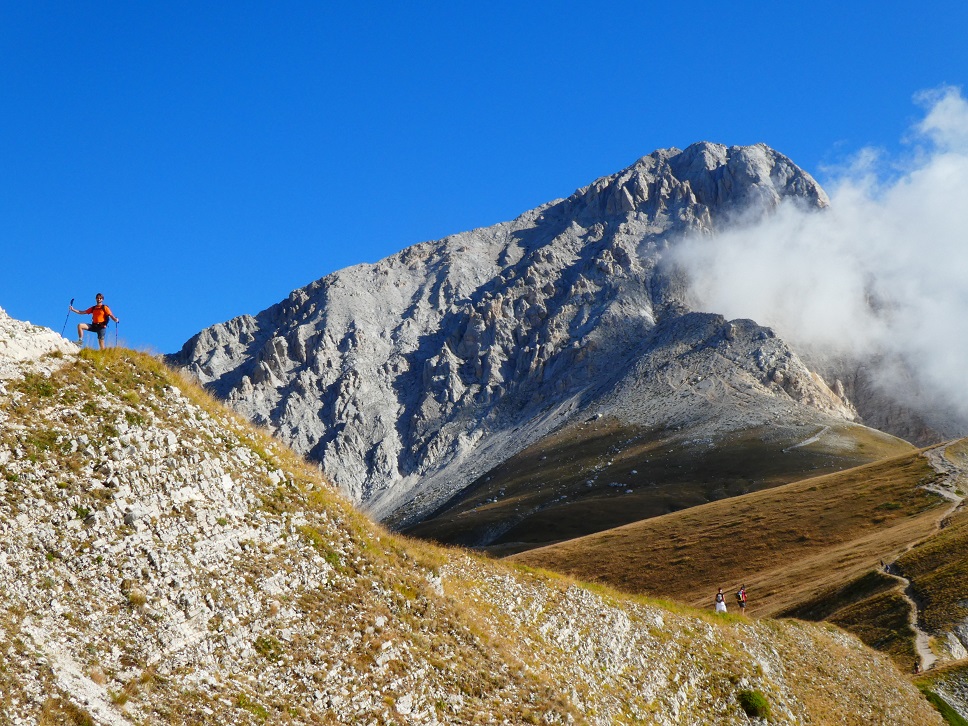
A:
[872,607]
[948,680]
[785,543]
[506,644]
[938,568]
[599,475]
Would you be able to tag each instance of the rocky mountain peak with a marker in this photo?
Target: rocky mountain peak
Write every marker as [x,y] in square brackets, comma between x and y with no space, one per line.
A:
[702,185]
[410,377]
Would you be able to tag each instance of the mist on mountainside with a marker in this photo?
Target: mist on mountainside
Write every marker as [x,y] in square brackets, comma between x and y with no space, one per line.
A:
[878,276]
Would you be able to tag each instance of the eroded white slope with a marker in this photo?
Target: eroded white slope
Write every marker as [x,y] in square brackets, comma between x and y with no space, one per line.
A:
[25,347]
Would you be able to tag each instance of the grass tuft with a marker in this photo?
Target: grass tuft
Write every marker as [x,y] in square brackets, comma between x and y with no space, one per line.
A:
[754,703]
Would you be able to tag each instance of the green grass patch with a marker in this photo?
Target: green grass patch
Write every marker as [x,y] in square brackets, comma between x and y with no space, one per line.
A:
[947,712]
[35,385]
[38,441]
[268,647]
[754,703]
[253,707]
[134,419]
[321,545]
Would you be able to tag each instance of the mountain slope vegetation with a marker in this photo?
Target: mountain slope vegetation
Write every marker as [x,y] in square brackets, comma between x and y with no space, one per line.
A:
[603,473]
[162,561]
[814,549]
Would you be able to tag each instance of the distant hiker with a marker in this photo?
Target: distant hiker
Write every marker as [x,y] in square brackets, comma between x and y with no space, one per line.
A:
[100,313]
[741,599]
[720,601]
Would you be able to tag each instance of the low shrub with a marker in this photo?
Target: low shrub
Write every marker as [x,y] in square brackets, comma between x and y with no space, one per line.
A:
[754,703]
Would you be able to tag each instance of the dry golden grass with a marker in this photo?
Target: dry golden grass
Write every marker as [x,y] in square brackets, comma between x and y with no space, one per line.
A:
[883,623]
[61,712]
[544,490]
[459,626]
[938,570]
[785,544]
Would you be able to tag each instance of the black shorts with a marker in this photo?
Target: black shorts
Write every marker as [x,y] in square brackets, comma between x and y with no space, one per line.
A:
[98,328]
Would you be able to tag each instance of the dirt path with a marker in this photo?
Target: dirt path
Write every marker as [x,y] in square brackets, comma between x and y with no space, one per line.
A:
[922,642]
[953,481]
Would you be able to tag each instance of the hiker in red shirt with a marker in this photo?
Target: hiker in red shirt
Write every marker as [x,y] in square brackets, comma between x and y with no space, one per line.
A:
[100,313]
[741,599]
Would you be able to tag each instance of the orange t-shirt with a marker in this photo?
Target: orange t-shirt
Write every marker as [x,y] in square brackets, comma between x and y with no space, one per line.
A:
[99,313]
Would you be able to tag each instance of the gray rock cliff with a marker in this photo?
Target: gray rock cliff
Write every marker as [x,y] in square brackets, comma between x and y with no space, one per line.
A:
[408,378]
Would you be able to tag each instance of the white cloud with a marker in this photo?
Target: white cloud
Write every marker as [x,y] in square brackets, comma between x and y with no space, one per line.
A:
[883,270]
[946,122]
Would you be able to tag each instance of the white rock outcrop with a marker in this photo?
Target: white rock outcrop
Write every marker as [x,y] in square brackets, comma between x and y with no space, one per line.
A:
[26,347]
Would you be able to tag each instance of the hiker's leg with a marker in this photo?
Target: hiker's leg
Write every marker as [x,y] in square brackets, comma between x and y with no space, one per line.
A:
[100,342]
[81,327]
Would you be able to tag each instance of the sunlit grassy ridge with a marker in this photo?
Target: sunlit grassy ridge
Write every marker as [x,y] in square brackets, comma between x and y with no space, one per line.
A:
[938,568]
[777,541]
[812,549]
[164,562]
[602,474]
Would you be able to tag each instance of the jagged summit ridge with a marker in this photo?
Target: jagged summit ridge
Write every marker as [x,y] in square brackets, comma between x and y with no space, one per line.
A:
[421,371]
[704,181]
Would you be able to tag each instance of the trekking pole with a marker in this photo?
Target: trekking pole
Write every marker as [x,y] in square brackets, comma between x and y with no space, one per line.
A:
[68,317]
[116,324]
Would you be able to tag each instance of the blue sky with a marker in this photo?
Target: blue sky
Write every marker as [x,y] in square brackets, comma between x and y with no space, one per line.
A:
[198,160]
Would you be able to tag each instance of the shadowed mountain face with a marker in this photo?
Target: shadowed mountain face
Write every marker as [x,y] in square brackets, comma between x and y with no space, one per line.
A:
[410,378]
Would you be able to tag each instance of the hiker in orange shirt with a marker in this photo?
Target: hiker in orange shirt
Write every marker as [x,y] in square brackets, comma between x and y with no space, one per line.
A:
[100,313]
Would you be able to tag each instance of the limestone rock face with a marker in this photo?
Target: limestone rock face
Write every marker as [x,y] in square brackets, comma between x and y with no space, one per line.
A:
[408,378]
[25,347]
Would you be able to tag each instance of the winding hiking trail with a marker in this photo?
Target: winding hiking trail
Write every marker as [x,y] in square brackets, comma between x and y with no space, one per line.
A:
[922,641]
[953,481]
